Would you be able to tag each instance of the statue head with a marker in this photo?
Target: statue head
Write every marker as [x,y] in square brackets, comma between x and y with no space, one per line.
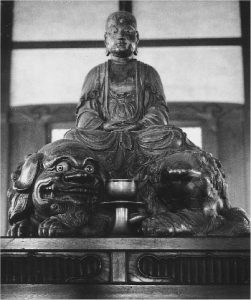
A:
[121,36]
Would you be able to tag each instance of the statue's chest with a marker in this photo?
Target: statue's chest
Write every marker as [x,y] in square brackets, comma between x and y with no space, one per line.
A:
[122,104]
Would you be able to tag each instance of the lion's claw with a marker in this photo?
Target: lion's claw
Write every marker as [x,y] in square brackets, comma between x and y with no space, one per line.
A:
[52,227]
[155,227]
[22,228]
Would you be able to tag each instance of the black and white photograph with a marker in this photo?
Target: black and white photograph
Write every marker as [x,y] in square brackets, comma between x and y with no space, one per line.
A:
[125,149]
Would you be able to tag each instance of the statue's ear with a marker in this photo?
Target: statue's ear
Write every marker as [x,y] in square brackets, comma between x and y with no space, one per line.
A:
[106,48]
[105,36]
[137,36]
[135,52]
[26,173]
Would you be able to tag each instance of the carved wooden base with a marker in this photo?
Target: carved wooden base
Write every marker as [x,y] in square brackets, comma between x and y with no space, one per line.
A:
[110,291]
[125,268]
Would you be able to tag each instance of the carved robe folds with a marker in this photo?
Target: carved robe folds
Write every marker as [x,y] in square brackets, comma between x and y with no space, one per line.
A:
[126,95]
[150,105]
[183,186]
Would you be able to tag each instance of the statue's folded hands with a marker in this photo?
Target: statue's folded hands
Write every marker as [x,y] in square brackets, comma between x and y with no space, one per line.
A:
[122,126]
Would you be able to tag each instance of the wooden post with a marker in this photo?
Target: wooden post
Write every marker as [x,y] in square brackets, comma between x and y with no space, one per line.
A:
[245,31]
[118,268]
[6,40]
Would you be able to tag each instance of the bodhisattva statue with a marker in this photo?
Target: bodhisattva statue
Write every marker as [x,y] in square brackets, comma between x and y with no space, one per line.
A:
[122,140]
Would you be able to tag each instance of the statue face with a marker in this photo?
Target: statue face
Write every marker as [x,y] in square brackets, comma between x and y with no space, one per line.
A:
[121,37]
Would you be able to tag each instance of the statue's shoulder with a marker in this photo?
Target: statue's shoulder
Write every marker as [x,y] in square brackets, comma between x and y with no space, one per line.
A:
[148,73]
[146,68]
[96,70]
[94,77]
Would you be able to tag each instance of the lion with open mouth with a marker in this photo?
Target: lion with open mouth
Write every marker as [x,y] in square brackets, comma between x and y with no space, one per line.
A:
[55,192]
[60,191]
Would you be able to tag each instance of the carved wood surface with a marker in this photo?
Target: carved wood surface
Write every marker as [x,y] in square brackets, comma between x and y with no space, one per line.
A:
[53,244]
[51,113]
[68,291]
[125,268]
[30,128]
[195,267]
[55,267]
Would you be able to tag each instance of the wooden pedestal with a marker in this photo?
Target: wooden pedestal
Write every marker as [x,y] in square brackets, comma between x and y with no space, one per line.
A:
[66,268]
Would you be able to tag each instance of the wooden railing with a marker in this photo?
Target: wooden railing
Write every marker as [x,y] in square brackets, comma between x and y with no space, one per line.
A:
[66,268]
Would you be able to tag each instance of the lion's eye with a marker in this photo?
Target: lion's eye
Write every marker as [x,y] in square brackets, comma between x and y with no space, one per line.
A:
[62,167]
[89,169]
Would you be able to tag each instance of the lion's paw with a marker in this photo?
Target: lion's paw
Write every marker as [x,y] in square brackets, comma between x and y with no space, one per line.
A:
[52,227]
[23,228]
[155,226]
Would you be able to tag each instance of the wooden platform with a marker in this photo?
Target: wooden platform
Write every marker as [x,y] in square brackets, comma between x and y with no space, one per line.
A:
[126,268]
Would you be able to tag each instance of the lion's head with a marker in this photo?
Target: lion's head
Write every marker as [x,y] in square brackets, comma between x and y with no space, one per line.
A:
[61,177]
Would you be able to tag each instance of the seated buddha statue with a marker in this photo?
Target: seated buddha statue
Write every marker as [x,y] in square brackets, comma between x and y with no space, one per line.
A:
[122,132]
[122,117]
[122,105]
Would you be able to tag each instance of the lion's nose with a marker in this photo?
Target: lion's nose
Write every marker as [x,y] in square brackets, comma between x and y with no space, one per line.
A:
[79,178]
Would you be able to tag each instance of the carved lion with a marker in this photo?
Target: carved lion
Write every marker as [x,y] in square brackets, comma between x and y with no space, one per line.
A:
[186,194]
[57,191]
[54,192]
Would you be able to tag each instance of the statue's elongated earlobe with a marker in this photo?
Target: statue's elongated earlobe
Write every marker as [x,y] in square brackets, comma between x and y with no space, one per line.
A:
[107,52]
[135,52]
